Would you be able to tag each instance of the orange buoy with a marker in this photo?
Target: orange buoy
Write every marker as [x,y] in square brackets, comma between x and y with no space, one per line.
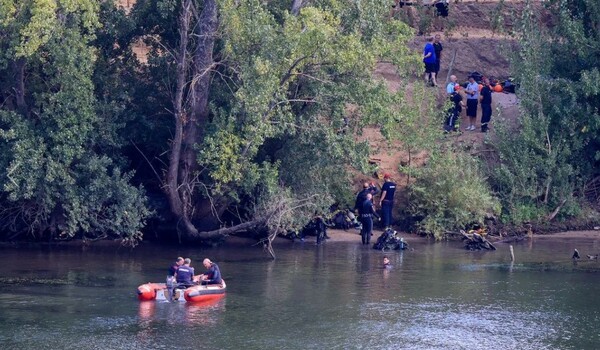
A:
[498,88]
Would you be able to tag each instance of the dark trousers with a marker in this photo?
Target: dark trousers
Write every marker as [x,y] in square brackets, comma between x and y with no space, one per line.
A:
[472,107]
[320,236]
[452,116]
[486,116]
[386,212]
[367,228]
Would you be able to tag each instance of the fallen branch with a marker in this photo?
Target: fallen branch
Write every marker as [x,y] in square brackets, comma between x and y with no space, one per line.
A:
[476,241]
[555,212]
[226,231]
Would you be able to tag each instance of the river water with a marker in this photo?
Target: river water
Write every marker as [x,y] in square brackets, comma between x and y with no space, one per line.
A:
[333,296]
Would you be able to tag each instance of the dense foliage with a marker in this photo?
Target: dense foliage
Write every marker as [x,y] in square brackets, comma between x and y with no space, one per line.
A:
[58,173]
[547,163]
[248,115]
[451,194]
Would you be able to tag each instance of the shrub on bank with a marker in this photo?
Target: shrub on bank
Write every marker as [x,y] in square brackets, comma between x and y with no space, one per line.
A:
[450,193]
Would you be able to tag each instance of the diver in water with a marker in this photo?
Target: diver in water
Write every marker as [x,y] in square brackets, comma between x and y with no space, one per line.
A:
[386,263]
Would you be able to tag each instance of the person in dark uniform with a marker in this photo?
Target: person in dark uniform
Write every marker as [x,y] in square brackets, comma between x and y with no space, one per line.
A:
[362,195]
[171,276]
[320,228]
[437,47]
[454,111]
[366,218]
[387,200]
[485,99]
[212,274]
[185,274]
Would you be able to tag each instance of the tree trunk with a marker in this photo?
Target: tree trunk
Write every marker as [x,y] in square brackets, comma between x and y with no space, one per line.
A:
[296,5]
[172,181]
[225,231]
[19,71]
[189,122]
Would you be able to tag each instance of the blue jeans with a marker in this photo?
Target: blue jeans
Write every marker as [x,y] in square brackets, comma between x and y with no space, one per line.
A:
[386,212]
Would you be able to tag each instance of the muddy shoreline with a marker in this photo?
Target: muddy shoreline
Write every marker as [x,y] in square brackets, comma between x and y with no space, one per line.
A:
[351,235]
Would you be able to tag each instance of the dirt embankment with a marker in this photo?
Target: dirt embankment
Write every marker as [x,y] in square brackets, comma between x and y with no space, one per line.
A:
[475,38]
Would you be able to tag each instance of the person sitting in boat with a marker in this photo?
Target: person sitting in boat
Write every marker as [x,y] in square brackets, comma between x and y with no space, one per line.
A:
[185,274]
[212,274]
[172,273]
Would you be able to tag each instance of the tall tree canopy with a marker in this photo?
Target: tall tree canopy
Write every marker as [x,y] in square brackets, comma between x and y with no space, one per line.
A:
[545,166]
[265,103]
[57,173]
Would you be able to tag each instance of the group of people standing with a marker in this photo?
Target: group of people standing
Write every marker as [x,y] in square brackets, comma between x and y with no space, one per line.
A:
[181,274]
[476,94]
[366,209]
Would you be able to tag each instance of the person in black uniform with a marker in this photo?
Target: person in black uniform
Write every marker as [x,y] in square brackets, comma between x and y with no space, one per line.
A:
[387,200]
[171,276]
[437,47]
[362,195]
[485,98]
[366,218]
[454,111]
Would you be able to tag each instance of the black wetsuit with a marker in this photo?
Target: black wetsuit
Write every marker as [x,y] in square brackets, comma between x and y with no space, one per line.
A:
[362,196]
[213,275]
[366,218]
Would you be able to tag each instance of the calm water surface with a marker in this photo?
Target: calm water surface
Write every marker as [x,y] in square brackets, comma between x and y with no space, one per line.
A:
[333,296]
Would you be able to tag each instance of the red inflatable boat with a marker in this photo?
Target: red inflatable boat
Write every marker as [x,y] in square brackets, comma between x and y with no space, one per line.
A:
[196,293]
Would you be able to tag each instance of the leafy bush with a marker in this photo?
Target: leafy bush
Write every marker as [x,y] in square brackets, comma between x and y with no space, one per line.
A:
[450,193]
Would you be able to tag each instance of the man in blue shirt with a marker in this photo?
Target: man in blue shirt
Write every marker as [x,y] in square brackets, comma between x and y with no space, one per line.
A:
[429,60]
[450,88]
[185,274]
[387,200]
[472,98]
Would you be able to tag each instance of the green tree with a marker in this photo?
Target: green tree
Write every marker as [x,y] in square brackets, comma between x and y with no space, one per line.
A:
[543,167]
[287,92]
[56,178]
